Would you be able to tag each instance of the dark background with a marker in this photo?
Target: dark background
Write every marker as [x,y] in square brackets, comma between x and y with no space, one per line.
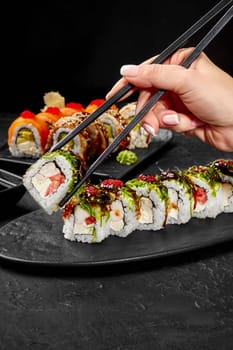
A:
[78,47]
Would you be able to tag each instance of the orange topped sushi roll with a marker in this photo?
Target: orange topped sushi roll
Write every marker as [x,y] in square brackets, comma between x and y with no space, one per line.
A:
[27,135]
[50,115]
[71,108]
[93,105]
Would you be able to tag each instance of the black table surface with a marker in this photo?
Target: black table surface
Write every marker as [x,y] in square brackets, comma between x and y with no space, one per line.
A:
[183,301]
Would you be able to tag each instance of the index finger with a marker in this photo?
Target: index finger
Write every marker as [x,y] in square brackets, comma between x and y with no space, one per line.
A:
[122,82]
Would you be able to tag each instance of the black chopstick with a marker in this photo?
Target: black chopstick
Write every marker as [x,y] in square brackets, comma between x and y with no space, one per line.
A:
[15,160]
[178,43]
[187,62]
[8,183]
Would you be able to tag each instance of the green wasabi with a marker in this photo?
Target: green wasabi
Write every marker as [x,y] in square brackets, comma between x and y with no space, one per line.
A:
[126,157]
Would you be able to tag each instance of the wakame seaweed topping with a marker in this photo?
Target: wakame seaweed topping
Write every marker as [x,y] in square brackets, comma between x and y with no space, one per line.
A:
[70,158]
[223,165]
[131,196]
[94,194]
[151,183]
[208,174]
[169,174]
[179,177]
[96,211]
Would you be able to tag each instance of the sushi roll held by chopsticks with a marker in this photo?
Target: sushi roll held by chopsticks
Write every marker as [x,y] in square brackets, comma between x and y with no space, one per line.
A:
[51,177]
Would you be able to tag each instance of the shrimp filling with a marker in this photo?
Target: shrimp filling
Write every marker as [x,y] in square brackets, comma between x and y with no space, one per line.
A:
[48,179]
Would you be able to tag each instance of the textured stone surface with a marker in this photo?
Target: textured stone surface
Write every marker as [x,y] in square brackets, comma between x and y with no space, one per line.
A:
[172,305]
[178,302]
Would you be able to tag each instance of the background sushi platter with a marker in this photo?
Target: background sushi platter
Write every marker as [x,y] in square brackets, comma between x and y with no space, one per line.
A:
[110,167]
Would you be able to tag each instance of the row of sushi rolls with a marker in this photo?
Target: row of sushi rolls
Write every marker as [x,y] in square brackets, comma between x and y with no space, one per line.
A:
[110,206]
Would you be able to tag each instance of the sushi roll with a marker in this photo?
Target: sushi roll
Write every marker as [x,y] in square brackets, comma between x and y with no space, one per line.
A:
[128,110]
[180,196]
[225,170]
[112,127]
[207,191]
[94,104]
[153,199]
[96,212]
[27,136]
[51,177]
[123,207]
[98,140]
[71,108]
[79,145]
[87,145]
[86,216]
[138,137]
[50,116]
[148,202]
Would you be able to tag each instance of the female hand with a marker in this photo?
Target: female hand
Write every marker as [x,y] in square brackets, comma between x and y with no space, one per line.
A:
[198,101]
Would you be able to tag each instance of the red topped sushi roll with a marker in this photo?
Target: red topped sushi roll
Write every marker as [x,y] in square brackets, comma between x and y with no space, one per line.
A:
[180,196]
[98,211]
[225,171]
[153,202]
[207,191]
[116,208]
[86,216]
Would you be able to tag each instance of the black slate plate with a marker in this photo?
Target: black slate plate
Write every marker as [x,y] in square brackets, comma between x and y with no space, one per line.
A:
[11,188]
[10,196]
[37,238]
[109,167]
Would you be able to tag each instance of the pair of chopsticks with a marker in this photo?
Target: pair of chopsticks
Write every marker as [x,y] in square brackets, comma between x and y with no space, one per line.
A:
[7,176]
[178,43]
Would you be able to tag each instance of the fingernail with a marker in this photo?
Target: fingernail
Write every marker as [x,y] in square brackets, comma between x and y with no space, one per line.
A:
[171,119]
[149,129]
[107,95]
[110,92]
[129,69]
